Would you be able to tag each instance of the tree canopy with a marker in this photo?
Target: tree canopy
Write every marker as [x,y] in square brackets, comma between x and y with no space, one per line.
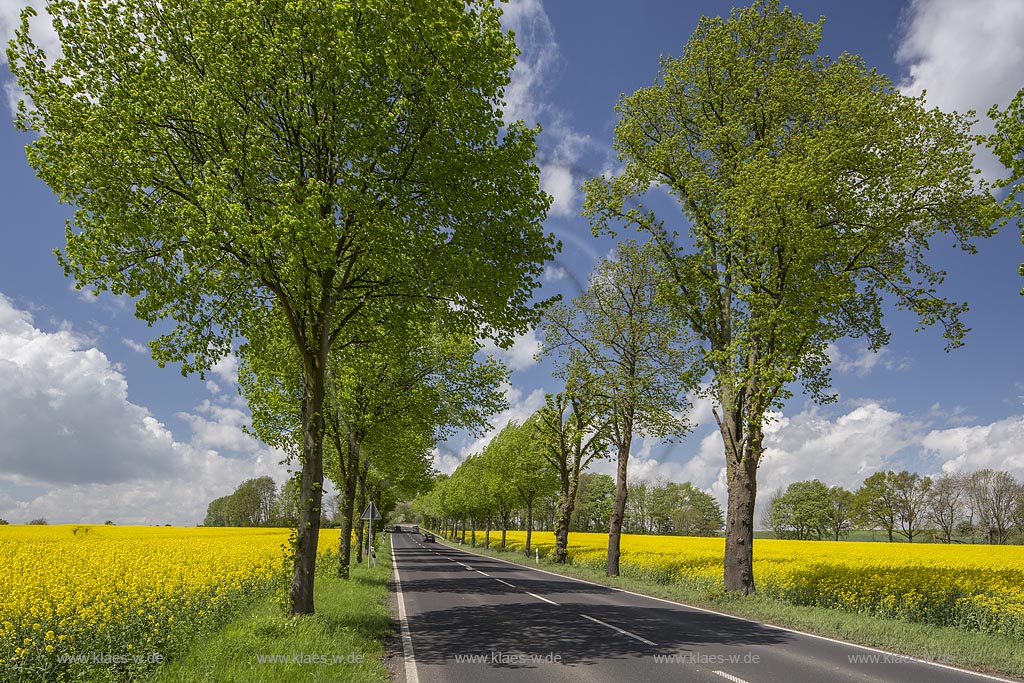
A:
[810,190]
[336,165]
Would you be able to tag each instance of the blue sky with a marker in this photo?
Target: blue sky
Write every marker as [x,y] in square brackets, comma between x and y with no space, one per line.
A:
[91,429]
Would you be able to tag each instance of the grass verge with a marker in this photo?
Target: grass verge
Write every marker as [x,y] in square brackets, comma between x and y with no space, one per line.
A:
[343,642]
[965,649]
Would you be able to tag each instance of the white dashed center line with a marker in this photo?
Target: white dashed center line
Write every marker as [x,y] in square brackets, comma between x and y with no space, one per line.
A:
[616,628]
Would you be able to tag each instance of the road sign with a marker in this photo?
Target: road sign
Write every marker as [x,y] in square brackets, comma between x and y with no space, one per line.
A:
[370,512]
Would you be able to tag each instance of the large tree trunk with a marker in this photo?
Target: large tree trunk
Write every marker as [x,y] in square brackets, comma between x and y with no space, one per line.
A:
[611,567]
[567,504]
[362,468]
[300,595]
[487,533]
[741,473]
[529,526]
[349,512]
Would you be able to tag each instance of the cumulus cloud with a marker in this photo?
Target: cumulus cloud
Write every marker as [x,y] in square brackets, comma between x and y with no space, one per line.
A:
[966,55]
[966,449]
[71,432]
[520,355]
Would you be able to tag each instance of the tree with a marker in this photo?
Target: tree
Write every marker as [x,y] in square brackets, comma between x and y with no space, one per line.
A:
[694,512]
[518,451]
[594,498]
[330,164]
[944,505]
[802,511]
[3,521]
[993,496]
[912,500]
[569,443]
[1007,142]
[39,521]
[1018,509]
[623,331]
[840,512]
[876,502]
[811,190]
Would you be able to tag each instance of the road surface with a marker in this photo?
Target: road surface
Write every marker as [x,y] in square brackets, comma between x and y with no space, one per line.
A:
[466,618]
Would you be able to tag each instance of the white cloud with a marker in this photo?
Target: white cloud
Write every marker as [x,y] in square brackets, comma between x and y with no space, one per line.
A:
[966,55]
[520,355]
[557,180]
[863,360]
[227,369]
[965,449]
[554,273]
[135,346]
[71,432]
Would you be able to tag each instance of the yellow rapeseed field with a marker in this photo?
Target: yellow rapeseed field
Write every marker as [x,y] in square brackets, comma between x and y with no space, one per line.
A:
[974,587]
[121,598]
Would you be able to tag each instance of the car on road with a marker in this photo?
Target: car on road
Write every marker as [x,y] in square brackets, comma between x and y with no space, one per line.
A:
[415,529]
[428,537]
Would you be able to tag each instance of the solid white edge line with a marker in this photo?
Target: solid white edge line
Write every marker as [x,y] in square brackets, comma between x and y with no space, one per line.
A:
[751,621]
[620,630]
[730,677]
[540,597]
[411,676]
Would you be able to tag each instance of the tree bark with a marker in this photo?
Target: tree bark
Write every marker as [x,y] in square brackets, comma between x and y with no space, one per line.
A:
[611,567]
[349,512]
[741,472]
[529,525]
[362,468]
[568,503]
[300,594]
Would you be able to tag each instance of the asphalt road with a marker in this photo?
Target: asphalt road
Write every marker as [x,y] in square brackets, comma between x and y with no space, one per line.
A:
[466,618]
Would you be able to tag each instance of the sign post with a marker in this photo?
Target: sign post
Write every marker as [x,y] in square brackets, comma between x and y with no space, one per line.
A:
[370,513]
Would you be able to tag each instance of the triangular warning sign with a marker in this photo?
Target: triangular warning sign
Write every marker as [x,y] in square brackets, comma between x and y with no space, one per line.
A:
[370,512]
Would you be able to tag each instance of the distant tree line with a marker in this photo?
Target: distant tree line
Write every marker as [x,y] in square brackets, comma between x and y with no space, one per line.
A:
[256,502]
[985,506]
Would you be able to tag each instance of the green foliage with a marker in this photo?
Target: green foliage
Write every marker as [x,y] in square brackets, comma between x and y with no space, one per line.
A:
[245,167]
[802,512]
[594,499]
[812,190]
[253,503]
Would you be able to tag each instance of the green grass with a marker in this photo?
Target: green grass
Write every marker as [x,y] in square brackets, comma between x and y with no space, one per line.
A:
[955,647]
[352,623]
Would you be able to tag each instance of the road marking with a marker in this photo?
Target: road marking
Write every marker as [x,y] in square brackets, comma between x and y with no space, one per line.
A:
[729,677]
[504,582]
[407,652]
[749,621]
[616,628]
[484,573]
[541,598]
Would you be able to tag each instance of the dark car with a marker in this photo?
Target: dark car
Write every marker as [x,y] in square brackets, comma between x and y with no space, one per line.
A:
[428,537]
